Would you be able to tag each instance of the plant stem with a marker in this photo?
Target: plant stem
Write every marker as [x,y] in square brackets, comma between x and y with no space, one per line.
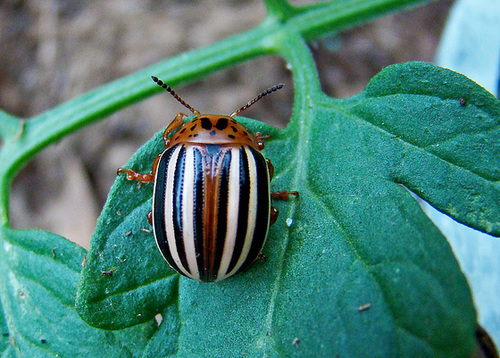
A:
[50,126]
[9,126]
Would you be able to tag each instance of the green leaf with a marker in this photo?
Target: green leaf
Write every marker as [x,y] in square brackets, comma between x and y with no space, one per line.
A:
[359,269]
[4,330]
[30,137]
[50,126]
[40,272]
[471,36]
[445,151]
[123,242]
[358,238]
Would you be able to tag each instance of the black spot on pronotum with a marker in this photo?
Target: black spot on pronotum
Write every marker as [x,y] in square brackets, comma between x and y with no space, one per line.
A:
[462,101]
[221,124]
[205,123]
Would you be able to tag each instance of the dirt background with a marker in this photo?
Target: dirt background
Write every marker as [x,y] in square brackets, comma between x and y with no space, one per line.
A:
[55,50]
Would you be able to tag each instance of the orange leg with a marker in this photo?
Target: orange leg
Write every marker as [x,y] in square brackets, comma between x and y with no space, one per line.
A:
[283,194]
[274,215]
[146,178]
[260,139]
[141,178]
[133,175]
[176,123]
[270,167]
[259,135]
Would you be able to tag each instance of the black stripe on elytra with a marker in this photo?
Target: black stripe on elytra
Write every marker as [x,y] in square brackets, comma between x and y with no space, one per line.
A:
[263,202]
[222,212]
[242,210]
[177,206]
[159,207]
[198,207]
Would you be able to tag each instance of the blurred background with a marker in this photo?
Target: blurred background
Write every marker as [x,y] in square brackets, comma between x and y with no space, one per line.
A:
[54,50]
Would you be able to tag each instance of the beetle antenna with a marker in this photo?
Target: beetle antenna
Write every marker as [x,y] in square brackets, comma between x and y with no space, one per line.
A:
[176,96]
[262,94]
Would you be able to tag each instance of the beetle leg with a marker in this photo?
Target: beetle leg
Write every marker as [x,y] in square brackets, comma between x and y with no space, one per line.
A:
[155,164]
[133,175]
[141,178]
[274,215]
[260,139]
[259,135]
[270,168]
[150,218]
[176,123]
[283,194]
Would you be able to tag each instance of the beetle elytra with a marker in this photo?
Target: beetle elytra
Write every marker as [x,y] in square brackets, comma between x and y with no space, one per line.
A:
[211,199]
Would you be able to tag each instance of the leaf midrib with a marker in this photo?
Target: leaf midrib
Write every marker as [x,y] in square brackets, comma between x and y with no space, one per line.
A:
[303,152]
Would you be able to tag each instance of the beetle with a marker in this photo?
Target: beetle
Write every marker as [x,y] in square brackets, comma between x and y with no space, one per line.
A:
[211,198]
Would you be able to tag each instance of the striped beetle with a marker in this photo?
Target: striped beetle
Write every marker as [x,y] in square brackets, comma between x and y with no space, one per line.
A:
[211,199]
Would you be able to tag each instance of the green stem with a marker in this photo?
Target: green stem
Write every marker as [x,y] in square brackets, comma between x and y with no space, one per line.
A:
[304,22]
[330,17]
[50,126]
[280,9]
[301,62]
[9,126]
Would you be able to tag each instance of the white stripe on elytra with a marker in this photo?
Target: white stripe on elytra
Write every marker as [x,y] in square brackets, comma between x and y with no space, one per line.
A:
[188,213]
[169,209]
[252,211]
[233,203]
